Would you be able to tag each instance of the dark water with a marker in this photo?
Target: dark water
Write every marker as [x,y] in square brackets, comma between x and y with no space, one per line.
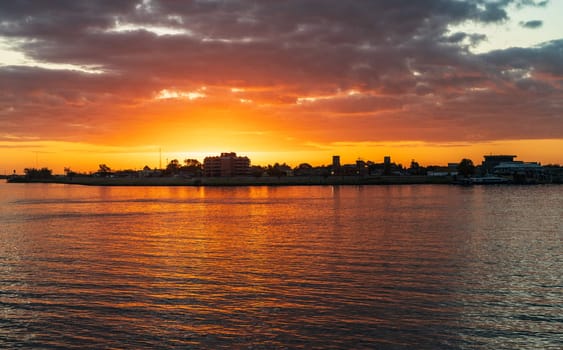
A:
[390,267]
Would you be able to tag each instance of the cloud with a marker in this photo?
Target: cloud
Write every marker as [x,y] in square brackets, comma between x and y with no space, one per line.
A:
[414,78]
[545,58]
[531,24]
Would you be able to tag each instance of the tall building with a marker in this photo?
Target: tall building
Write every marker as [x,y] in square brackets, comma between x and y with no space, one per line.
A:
[387,165]
[336,165]
[227,164]
[336,161]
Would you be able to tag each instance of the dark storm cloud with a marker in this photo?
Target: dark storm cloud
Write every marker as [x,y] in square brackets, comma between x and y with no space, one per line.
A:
[400,50]
[532,24]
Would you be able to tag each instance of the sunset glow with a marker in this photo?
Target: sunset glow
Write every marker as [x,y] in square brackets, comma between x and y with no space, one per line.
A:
[131,84]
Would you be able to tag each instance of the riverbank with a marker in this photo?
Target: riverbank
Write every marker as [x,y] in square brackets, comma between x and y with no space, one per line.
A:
[239,181]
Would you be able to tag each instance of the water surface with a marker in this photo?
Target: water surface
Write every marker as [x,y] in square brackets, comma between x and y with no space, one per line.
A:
[390,267]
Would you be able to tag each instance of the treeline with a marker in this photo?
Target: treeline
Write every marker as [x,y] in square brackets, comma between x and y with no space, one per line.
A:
[33,173]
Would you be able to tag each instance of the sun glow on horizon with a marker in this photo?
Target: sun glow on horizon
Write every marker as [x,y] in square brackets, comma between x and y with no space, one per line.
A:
[83,157]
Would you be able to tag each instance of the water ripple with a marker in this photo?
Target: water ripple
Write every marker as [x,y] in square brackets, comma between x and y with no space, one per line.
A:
[398,267]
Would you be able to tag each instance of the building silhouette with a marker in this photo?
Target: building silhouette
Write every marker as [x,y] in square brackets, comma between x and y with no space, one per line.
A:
[227,164]
[491,161]
[336,167]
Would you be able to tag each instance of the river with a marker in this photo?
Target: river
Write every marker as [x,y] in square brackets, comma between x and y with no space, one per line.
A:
[349,267]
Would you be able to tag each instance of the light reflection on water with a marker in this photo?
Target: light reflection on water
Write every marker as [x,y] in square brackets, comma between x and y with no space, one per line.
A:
[274,267]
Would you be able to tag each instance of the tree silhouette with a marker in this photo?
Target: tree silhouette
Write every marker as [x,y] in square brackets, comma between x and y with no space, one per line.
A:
[43,173]
[172,167]
[192,163]
[466,167]
[104,169]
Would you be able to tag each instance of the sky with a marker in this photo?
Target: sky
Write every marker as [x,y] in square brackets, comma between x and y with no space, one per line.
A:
[135,83]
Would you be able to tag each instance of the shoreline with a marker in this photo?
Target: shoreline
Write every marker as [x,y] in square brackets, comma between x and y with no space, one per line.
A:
[242,181]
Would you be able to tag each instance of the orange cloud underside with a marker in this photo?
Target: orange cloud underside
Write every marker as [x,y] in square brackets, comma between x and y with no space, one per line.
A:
[156,130]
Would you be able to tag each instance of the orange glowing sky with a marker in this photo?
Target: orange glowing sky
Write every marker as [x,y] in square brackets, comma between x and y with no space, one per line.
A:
[137,83]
